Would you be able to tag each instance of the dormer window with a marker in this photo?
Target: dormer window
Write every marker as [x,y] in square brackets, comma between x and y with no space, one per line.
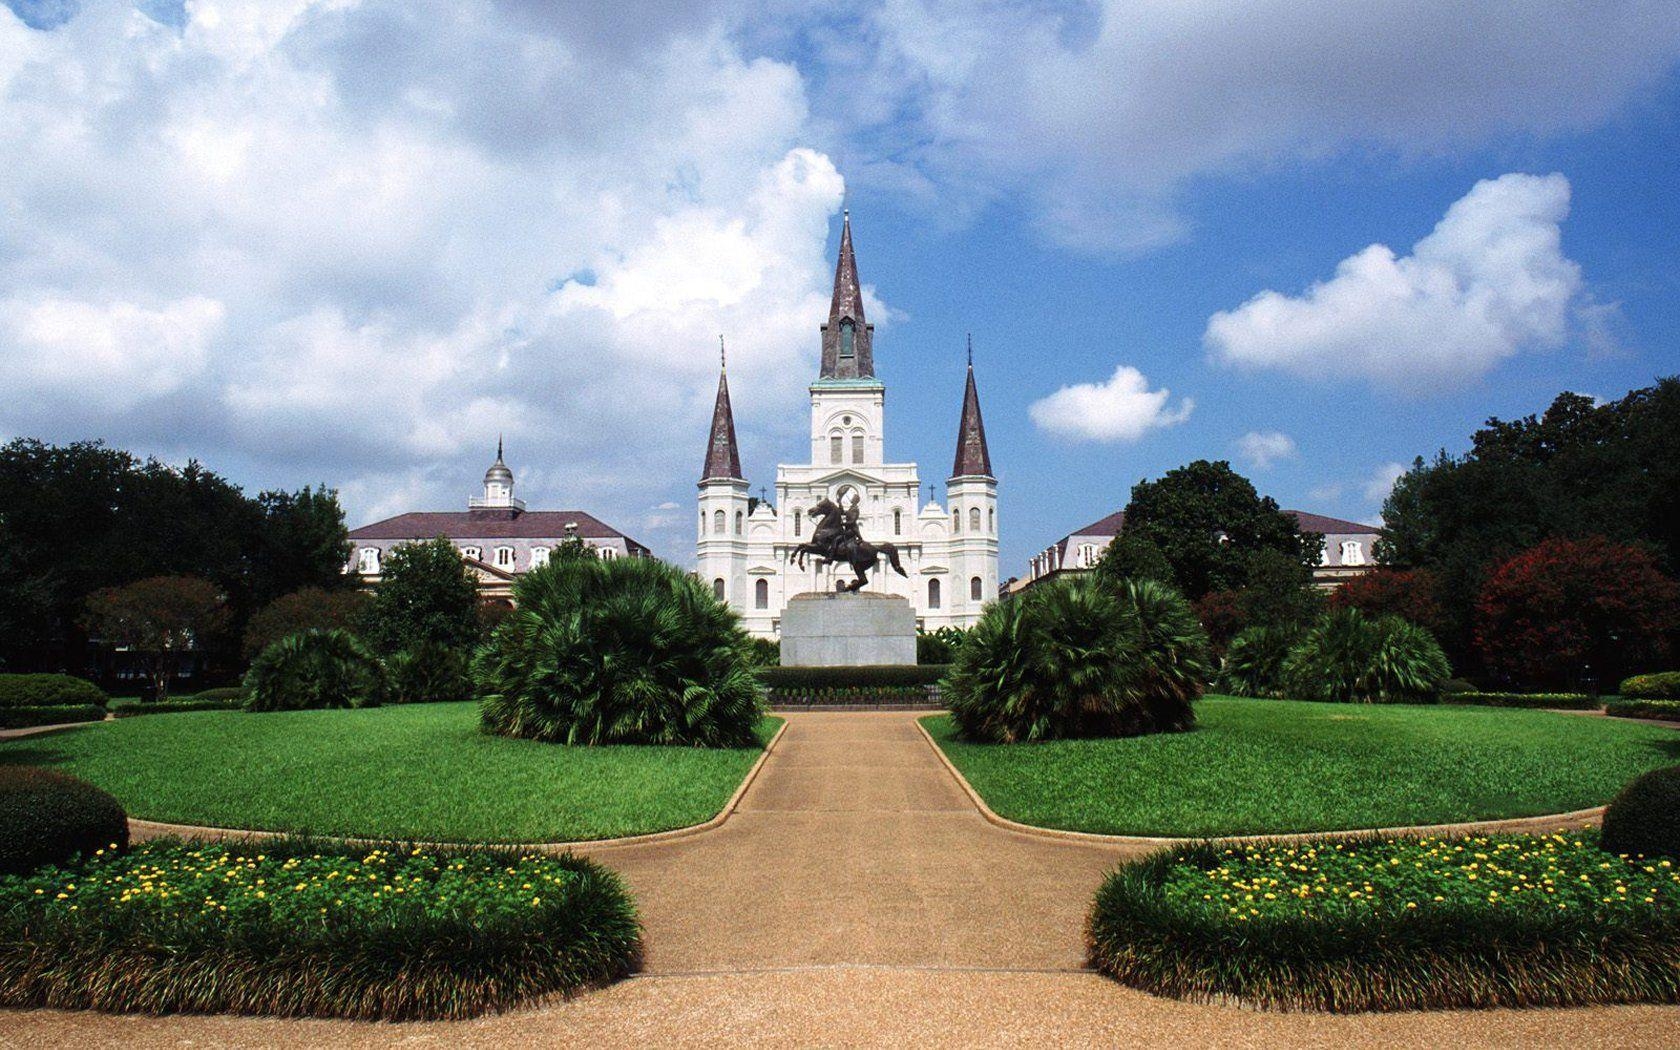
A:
[606,553]
[472,553]
[504,557]
[848,338]
[539,557]
[368,561]
[1352,553]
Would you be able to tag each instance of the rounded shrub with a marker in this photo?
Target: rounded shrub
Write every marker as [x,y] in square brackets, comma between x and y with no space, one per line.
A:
[1351,657]
[1083,657]
[1253,664]
[314,669]
[48,690]
[619,651]
[48,818]
[1661,686]
[1644,817]
[428,672]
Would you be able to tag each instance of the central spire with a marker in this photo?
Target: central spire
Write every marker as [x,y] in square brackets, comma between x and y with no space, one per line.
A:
[846,338]
[723,457]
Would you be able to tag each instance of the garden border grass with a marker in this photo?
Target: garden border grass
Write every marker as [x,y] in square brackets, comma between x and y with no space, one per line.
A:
[1453,958]
[411,966]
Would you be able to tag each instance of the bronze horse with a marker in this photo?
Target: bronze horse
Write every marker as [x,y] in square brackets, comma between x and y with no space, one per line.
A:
[836,539]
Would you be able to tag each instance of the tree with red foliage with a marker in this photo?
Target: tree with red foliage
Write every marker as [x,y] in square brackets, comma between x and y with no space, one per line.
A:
[160,617]
[1565,611]
[1222,616]
[302,610]
[1411,594]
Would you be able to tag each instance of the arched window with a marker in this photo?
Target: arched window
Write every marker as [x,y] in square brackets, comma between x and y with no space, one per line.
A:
[606,553]
[369,562]
[991,520]
[761,594]
[835,447]
[718,588]
[472,552]
[976,589]
[798,521]
[539,557]
[720,521]
[898,522]
[956,520]
[974,519]
[933,593]
[1352,554]
[504,557]
[739,519]
[857,446]
[848,339]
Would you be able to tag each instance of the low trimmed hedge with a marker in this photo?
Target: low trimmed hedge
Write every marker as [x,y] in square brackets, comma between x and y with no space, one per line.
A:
[1644,817]
[49,690]
[802,679]
[1662,686]
[868,694]
[300,929]
[1553,701]
[1393,924]
[170,707]
[28,717]
[47,817]
[1669,709]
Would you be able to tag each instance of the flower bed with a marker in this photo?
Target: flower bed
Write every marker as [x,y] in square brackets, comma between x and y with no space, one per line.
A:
[292,928]
[1394,924]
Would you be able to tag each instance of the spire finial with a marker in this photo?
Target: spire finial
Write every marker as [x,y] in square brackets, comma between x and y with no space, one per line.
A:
[498,448]
[971,349]
[723,355]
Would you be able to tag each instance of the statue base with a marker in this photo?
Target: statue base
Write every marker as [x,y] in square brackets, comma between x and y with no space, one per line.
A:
[841,629]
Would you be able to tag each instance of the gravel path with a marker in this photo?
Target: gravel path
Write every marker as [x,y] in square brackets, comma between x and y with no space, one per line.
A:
[857,897]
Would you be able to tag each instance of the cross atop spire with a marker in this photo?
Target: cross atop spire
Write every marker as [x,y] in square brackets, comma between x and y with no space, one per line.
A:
[973,458]
[847,337]
[723,456]
[723,355]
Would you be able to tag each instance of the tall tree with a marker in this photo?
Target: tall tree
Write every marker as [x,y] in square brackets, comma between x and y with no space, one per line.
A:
[1213,527]
[426,594]
[160,618]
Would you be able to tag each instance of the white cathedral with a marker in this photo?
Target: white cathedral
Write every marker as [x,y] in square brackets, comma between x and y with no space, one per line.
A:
[951,556]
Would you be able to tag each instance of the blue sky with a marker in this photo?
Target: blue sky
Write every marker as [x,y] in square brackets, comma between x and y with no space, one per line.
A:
[353,242]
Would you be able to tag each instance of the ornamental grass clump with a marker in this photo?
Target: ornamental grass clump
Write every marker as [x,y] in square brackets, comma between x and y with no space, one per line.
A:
[1080,658]
[300,929]
[1253,664]
[1348,656]
[313,669]
[1393,924]
[622,651]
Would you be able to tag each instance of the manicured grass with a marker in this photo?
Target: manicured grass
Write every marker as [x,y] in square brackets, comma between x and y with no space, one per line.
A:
[1258,766]
[1394,924]
[423,771]
[305,929]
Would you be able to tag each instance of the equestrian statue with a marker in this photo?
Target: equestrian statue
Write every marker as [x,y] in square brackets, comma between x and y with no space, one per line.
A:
[836,539]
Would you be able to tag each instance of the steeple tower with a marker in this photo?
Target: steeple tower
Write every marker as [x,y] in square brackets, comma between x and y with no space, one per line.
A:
[847,352]
[973,458]
[723,456]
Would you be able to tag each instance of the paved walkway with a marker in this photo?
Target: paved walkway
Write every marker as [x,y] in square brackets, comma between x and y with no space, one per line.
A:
[857,897]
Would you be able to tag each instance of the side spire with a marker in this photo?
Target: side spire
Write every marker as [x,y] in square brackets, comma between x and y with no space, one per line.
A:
[973,458]
[847,337]
[723,456]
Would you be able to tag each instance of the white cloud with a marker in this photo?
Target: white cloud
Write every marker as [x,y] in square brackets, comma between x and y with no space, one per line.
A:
[1382,480]
[1263,448]
[113,355]
[1489,282]
[1122,409]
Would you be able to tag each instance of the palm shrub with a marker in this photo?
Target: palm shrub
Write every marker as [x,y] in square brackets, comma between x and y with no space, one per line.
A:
[427,672]
[1254,661]
[1349,656]
[314,668]
[1079,658]
[616,652]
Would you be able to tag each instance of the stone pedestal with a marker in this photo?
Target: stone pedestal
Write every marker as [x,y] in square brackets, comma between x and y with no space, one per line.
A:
[848,630]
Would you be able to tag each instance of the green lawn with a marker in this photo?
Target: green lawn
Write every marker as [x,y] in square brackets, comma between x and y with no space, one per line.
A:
[422,771]
[1256,766]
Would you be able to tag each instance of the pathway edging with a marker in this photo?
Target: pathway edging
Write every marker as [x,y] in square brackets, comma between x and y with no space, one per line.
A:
[1592,815]
[158,829]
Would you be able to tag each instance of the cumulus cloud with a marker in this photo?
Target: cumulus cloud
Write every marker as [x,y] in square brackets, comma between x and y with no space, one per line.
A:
[1490,281]
[1382,480]
[1261,449]
[1122,409]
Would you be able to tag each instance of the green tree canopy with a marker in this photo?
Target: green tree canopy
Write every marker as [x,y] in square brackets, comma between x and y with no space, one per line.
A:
[426,594]
[160,617]
[1212,528]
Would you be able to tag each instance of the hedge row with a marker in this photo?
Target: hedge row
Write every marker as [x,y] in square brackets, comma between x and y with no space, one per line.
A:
[169,707]
[865,694]
[61,714]
[171,927]
[48,690]
[1663,686]
[791,679]
[1669,709]
[1554,701]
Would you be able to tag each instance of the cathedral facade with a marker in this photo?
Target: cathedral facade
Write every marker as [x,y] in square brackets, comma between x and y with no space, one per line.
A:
[950,553]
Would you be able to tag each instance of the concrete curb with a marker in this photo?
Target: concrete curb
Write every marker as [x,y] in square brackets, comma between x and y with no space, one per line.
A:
[1579,816]
[151,829]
